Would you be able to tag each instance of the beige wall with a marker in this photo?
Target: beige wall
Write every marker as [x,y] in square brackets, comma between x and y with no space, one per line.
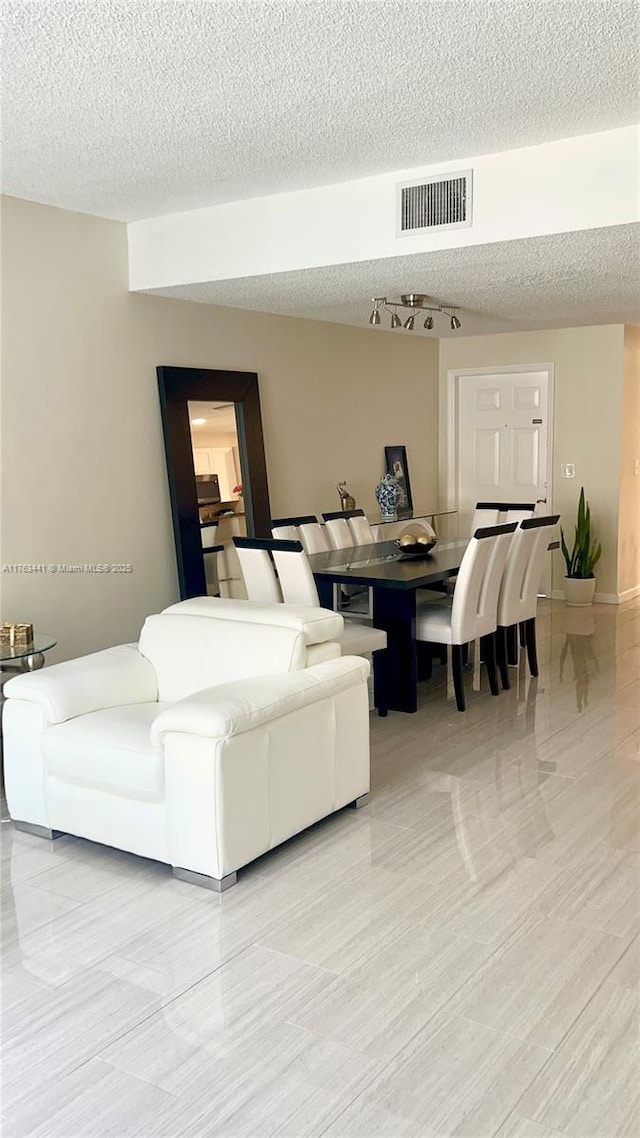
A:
[629,518]
[587,421]
[83,461]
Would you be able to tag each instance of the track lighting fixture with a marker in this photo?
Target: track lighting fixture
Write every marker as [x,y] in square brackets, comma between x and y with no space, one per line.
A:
[417,302]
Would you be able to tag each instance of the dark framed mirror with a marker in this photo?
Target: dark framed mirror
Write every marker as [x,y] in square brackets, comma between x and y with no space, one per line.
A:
[179,387]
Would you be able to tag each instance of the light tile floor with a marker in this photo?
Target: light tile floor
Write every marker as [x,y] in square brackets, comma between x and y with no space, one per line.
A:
[459,958]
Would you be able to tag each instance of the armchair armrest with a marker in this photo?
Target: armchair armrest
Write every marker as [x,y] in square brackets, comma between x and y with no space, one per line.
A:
[231,709]
[114,677]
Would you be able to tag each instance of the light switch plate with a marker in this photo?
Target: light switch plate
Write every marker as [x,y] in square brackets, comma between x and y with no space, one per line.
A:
[568,470]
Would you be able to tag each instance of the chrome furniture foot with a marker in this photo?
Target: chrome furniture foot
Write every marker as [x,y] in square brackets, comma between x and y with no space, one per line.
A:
[361,801]
[39,831]
[217,884]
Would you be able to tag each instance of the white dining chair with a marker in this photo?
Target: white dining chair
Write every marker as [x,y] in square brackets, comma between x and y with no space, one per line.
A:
[299,588]
[361,529]
[286,529]
[471,614]
[314,537]
[338,530]
[518,511]
[257,569]
[343,535]
[518,597]
[497,513]
[485,514]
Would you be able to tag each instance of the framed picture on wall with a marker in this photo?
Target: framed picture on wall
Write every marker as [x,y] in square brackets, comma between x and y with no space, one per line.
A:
[396,463]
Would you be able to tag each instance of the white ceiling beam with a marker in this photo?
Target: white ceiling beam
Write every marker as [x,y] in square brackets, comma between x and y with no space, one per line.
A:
[588,182]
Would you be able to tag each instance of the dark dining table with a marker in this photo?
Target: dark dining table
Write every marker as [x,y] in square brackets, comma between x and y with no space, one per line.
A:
[394,579]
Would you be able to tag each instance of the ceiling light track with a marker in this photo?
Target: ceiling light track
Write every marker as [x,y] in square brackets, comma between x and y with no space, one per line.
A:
[418,303]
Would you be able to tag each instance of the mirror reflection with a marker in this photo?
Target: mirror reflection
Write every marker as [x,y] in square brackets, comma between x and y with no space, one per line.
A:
[218,471]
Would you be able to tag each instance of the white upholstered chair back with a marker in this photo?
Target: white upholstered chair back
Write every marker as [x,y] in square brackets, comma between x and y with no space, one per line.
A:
[288,529]
[497,513]
[338,531]
[519,513]
[361,529]
[257,570]
[285,533]
[485,514]
[295,576]
[518,599]
[314,537]
[475,600]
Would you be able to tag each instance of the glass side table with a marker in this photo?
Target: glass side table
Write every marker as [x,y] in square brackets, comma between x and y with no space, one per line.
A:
[26,657]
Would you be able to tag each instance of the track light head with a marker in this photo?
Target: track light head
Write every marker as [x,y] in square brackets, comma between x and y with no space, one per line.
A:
[419,305]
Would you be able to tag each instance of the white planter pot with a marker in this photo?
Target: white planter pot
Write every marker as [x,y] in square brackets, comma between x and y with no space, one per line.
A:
[578,591]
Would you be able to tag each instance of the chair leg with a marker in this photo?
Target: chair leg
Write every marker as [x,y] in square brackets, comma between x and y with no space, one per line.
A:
[523,633]
[532,649]
[501,656]
[458,680]
[488,648]
[380,682]
[512,645]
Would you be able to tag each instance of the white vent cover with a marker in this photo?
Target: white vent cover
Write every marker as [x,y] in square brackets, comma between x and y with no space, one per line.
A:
[435,203]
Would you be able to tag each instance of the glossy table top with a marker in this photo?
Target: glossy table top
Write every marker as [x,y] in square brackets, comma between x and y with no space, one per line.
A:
[41,642]
[384,566]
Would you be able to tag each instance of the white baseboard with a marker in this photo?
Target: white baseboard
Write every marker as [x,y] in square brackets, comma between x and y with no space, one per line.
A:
[629,594]
[604,598]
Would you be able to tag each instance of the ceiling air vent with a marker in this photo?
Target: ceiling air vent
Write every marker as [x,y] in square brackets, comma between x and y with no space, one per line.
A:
[433,203]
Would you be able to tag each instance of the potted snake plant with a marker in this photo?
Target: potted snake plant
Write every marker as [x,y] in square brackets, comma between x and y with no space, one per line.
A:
[580,581]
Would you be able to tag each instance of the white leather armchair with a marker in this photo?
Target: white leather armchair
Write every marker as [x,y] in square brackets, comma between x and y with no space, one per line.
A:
[207,744]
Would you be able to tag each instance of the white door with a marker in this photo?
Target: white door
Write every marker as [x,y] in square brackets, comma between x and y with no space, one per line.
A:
[503,433]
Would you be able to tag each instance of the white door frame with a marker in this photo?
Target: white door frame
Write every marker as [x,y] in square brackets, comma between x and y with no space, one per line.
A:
[455,376]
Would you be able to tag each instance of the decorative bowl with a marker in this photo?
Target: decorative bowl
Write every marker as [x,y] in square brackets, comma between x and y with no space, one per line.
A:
[420,549]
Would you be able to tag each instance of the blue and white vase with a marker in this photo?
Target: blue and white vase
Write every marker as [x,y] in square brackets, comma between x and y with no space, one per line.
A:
[387,494]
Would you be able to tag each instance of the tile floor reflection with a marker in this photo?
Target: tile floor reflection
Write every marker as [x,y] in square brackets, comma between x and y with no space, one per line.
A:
[462,957]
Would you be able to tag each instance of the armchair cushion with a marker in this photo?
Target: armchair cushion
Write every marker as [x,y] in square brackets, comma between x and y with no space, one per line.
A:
[108,750]
[110,678]
[190,653]
[317,625]
[231,709]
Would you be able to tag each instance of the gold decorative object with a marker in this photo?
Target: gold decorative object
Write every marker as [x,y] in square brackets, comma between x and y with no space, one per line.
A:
[16,635]
[347,502]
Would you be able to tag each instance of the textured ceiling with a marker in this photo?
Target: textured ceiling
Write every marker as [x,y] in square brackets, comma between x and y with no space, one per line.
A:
[570,279]
[132,108]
